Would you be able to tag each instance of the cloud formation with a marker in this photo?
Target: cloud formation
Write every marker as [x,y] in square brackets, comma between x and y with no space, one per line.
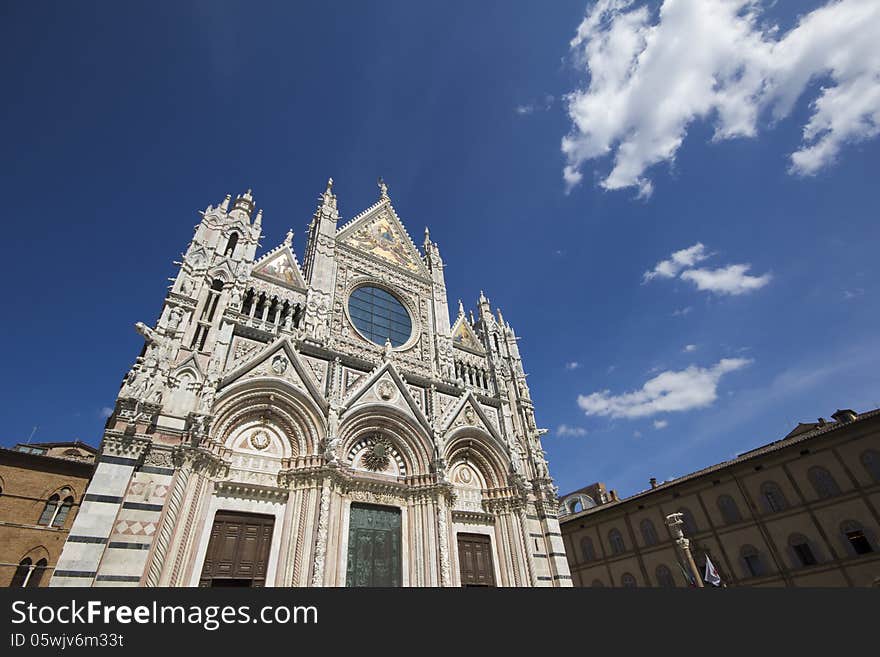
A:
[660,424]
[572,365]
[567,431]
[652,74]
[731,279]
[689,348]
[683,390]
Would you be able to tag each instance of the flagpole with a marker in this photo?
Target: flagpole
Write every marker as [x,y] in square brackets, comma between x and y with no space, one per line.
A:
[674,521]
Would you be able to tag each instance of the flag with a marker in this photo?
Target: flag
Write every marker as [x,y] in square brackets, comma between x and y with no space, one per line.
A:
[711,576]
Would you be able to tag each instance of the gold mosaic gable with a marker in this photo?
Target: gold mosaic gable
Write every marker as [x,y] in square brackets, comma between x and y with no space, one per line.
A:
[382,238]
[464,336]
[281,268]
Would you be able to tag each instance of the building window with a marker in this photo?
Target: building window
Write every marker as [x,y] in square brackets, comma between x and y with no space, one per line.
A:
[664,577]
[28,574]
[649,533]
[753,565]
[379,316]
[628,581]
[871,460]
[230,245]
[802,551]
[55,512]
[615,538]
[729,510]
[855,537]
[689,523]
[823,482]
[587,551]
[774,499]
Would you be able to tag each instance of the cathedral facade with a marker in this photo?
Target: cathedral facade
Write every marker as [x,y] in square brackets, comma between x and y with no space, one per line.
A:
[323,425]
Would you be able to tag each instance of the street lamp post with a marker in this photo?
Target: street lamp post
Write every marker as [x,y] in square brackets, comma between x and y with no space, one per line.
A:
[675,523]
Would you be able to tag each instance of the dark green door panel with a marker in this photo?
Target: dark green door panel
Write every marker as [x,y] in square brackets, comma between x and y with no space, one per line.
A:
[373,546]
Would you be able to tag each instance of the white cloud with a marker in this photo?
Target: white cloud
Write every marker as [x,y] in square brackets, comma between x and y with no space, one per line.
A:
[731,279]
[637,434]
[106,412]
[689,347]
[529,108]
[683,390]
[681,312]
[726,280]
[660,424]
[524,109]
[567,431]
[679,260]
[852,294]
[652,74]
[572,365]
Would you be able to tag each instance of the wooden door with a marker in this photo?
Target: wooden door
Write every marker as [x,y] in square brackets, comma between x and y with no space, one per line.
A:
[373,546]
[475,560]
[238,550]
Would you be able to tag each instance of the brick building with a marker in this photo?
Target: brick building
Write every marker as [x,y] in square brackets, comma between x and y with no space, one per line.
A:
[41,486]
[800,511]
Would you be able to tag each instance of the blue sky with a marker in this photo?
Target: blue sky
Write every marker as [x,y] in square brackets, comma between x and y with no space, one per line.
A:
[122,120]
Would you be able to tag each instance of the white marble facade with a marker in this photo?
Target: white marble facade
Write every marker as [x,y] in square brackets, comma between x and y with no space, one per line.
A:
[258,392]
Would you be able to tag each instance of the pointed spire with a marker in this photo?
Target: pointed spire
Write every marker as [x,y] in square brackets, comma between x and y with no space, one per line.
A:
[472,317]
[427,239]
[500,317]
[460,308]
[383,189]
[259,218]
[225,204]
[288,239]
[245,202]
[328,199]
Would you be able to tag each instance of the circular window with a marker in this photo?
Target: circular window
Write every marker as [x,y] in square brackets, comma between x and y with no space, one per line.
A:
[379,316]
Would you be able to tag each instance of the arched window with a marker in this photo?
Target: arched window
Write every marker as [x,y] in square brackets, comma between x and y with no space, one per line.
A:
[855,538]
[802,551]
[55,512]
[628,581]
[587,551]
[871,460]
[729,509]
[230,245]
[49,510]
[63,510]
[649,533]
[664,577]
[615,539]
[753,565]
[21,573]
[823,482]
[774,499]
[37,574]
[597,584]
[689,523]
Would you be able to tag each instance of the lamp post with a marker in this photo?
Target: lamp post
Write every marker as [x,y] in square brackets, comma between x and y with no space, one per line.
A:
[675,523]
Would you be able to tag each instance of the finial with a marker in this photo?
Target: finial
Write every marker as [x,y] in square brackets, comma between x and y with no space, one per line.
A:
[460,308]
[500,317]
[483,298]
[472,316]
[383,189]
[289,237]
[225,204]
[259,218]
[329,186]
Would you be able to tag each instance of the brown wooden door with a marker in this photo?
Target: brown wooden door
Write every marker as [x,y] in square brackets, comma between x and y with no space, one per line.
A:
[238,550]
[475,560]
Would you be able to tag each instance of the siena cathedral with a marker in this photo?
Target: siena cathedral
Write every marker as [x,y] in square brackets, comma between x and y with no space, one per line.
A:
[323,425]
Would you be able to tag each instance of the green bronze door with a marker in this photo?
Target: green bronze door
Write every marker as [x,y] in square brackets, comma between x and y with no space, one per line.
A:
[373,546]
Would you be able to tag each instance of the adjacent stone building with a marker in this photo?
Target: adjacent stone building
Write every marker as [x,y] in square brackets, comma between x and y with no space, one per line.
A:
[41,487]
[323,425]
[801,511]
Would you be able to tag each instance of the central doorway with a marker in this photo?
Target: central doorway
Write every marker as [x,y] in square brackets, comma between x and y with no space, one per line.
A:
[475,560]
[238,550]
[373,546]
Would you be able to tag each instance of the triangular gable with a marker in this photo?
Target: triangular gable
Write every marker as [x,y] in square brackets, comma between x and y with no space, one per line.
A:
[280,266]
[223,270]
[467,412]
[463,336]
[379,232]
[191,363]
[385,385]
[279,360]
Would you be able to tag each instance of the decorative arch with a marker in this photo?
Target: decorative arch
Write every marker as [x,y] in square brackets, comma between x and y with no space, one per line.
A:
[576,503]
[405,435]
[476,446]
[273,401]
